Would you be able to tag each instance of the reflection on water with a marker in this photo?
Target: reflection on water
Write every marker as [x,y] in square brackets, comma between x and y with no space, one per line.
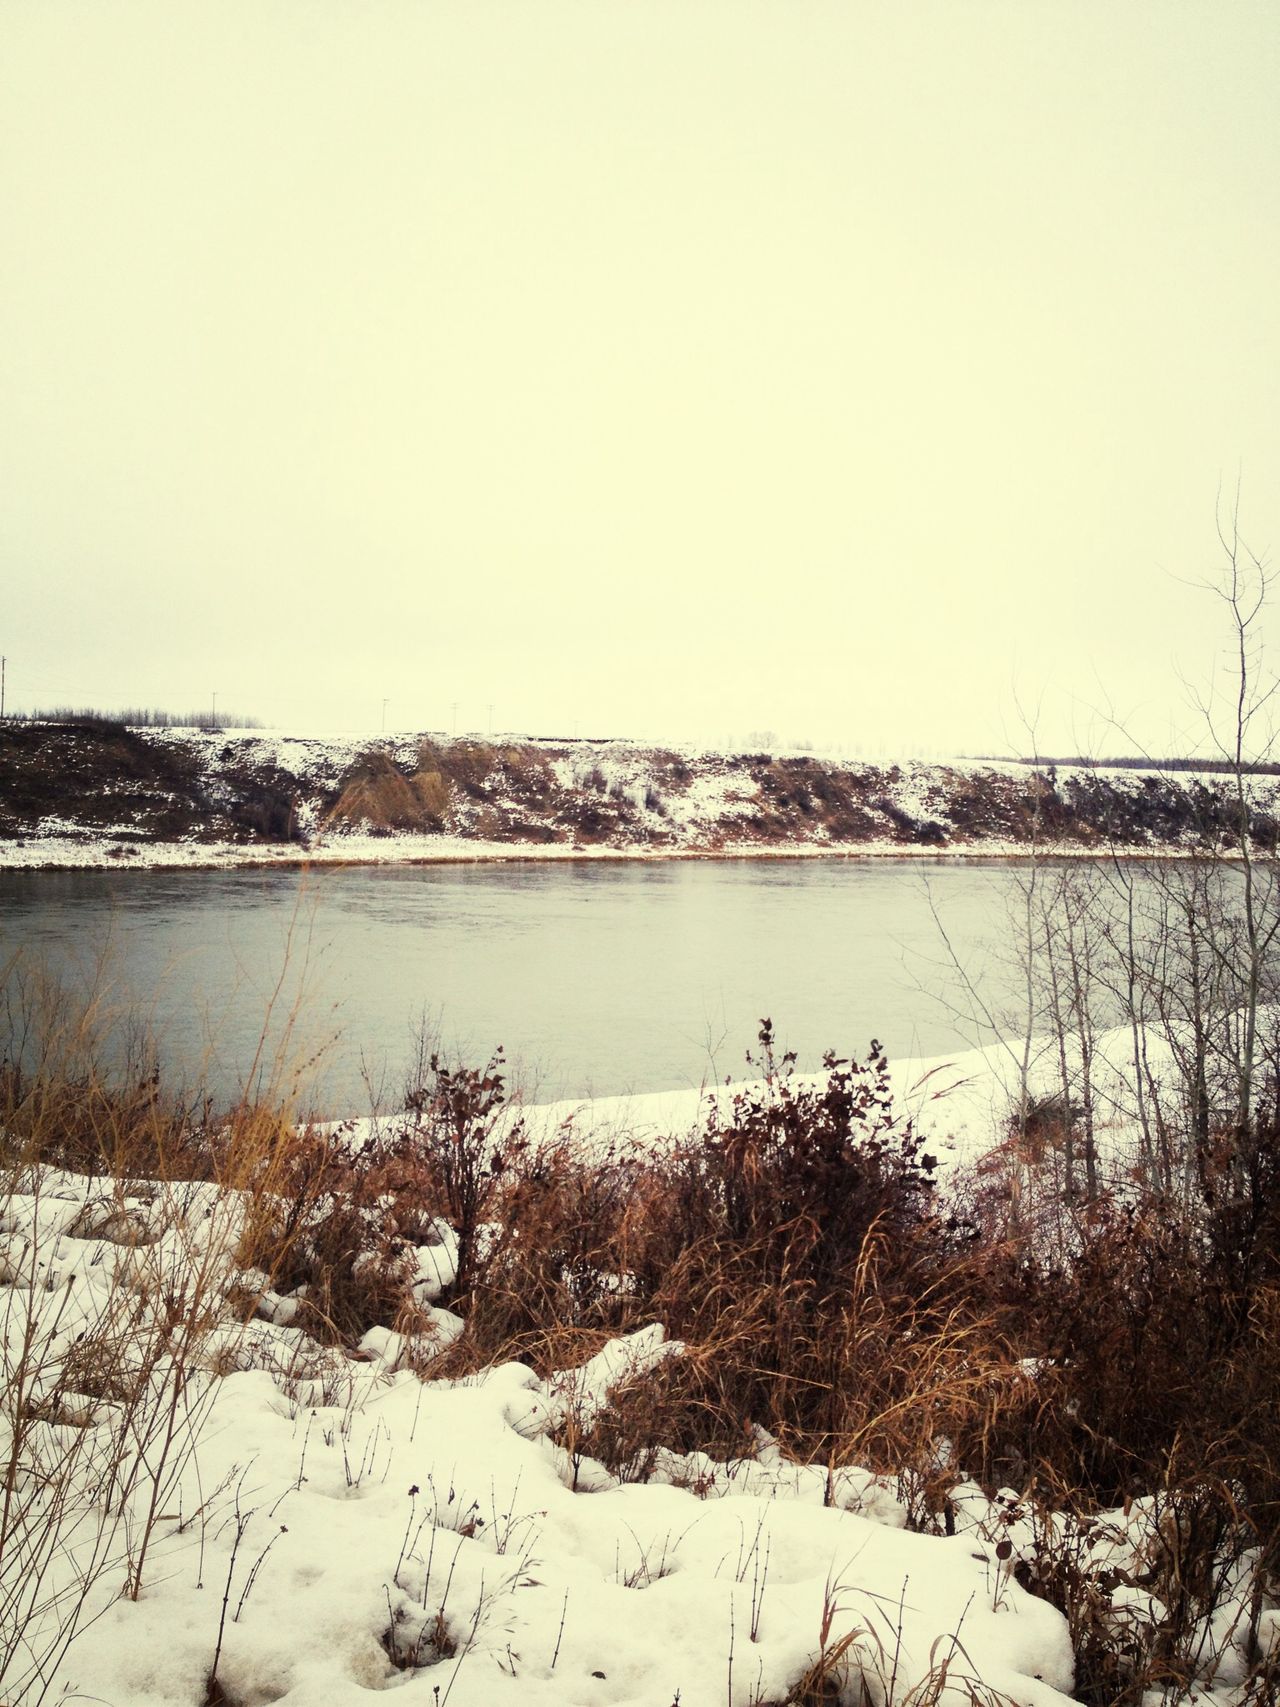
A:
[596,978]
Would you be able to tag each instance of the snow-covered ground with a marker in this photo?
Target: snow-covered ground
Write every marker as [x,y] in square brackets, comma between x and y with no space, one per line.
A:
[118,852]
[341,1527]
[315,1525]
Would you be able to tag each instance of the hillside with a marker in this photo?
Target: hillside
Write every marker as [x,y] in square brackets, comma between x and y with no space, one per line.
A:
[100,793]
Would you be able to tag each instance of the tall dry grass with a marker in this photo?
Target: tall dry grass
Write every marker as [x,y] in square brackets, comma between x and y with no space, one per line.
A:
[127,1210]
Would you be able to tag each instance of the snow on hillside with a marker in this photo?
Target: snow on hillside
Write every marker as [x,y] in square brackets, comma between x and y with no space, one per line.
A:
[73,796]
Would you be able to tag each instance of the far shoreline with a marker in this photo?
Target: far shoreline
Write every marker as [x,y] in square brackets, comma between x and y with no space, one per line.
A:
[163,857]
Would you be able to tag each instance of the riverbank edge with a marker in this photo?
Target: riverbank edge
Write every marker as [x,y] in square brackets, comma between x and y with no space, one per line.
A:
[168,856]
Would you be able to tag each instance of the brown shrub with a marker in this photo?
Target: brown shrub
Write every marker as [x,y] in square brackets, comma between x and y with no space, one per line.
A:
[791,1246]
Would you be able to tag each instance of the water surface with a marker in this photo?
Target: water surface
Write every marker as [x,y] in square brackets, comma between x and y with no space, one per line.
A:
[595,978]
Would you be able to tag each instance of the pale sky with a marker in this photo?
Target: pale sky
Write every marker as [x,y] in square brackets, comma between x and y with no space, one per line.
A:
[668,368]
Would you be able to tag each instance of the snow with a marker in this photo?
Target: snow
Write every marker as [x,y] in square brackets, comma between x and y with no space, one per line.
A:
[438,1523]
[64,851]
[351,1525]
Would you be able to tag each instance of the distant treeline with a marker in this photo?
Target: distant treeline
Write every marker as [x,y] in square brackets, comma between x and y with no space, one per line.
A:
[1259,767]
[139,717]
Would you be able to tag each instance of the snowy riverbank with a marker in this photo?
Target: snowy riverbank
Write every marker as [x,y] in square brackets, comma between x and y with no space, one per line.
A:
[217,1509]
[90,796]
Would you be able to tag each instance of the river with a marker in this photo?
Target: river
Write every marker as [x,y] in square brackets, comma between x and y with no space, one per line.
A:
[597,979]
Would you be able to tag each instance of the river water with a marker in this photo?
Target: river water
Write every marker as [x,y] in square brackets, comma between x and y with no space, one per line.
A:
[597,979]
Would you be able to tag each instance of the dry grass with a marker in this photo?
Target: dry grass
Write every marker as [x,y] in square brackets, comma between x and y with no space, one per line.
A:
[502,792]
[102,1385]
[379,796]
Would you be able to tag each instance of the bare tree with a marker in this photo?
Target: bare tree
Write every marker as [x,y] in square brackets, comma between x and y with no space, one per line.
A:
[1188,948]
[1242,733]
[1182,955]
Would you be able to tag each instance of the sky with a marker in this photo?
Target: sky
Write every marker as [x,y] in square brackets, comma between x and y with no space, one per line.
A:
[868,374]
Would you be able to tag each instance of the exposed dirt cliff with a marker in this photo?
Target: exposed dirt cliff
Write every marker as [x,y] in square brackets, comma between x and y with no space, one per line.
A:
[117,793]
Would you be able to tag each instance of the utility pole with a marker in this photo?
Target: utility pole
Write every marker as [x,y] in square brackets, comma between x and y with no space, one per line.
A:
[3,662]
[385,703]
[491,717]
[214,719]
[455,716]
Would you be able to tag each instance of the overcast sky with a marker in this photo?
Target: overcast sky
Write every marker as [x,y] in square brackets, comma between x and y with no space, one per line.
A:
[682,369]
